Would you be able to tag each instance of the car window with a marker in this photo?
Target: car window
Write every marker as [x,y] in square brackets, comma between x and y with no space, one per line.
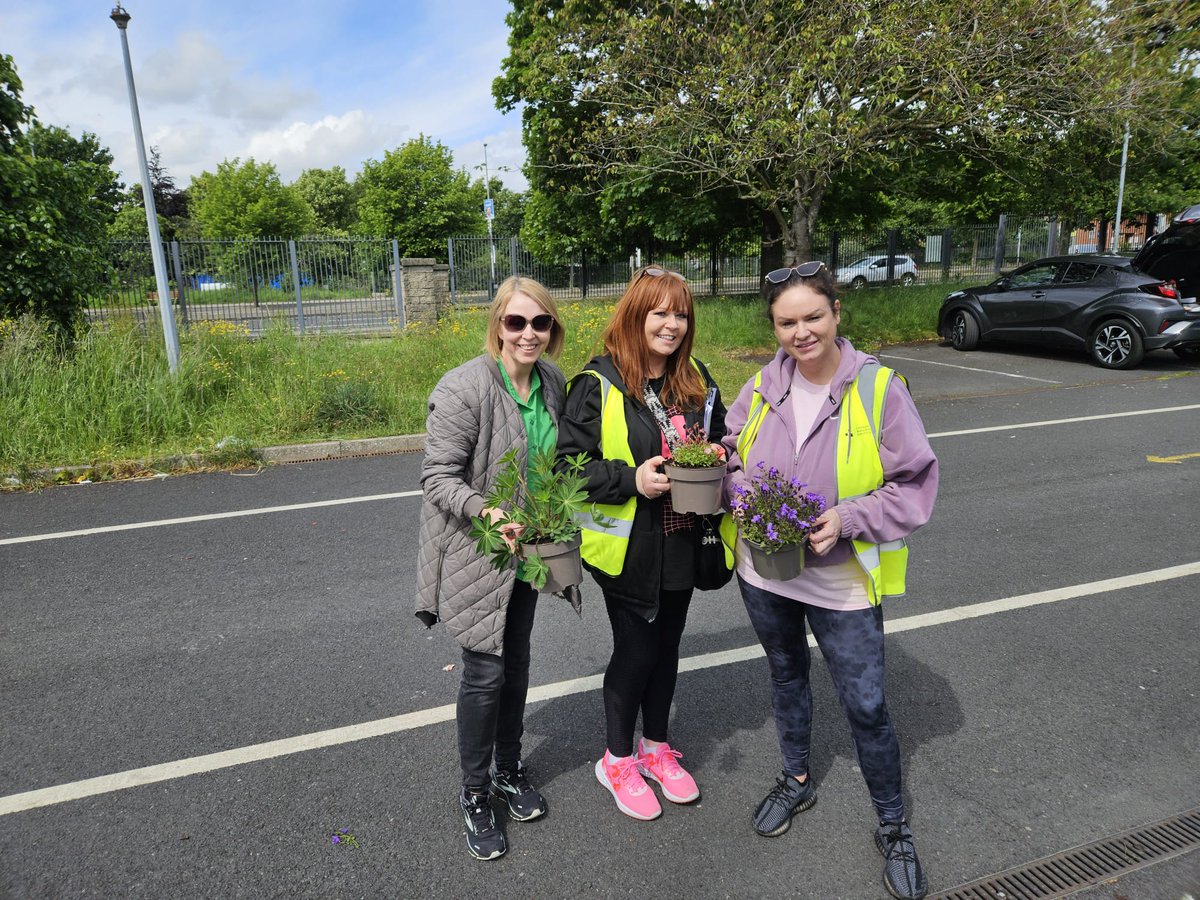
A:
[1034,275]
[1078,273]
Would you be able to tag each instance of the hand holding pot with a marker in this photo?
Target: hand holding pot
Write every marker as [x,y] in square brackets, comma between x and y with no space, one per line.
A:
[651,483]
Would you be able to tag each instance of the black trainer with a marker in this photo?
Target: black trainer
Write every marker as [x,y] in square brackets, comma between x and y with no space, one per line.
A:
[512,786]
[774,815]
[902,872]
[484,839]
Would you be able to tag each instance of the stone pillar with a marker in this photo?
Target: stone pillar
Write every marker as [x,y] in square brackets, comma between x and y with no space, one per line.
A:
[426,285]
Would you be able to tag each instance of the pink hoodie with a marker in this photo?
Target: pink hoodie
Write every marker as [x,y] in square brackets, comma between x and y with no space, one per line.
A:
[905,501]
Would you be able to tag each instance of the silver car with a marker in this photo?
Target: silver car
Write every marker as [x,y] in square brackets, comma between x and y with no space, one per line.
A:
[874,269]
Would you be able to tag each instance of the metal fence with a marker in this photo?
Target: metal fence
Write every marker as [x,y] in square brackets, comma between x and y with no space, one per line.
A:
[350,284]
[310,285]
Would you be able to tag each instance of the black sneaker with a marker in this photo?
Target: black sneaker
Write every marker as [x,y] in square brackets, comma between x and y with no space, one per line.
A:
[484,839]
[512,786]
[902,873]
[774,815]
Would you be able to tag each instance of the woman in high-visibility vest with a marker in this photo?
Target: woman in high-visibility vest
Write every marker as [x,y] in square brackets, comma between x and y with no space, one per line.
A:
[833,418]
[509,398]
[623,411]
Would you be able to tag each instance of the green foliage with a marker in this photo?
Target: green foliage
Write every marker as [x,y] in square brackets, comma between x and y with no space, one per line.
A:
[56,196]
[695,451]
[719,96]
[545,502]
[111,397]
[248,200]
[333,199]
[415,195]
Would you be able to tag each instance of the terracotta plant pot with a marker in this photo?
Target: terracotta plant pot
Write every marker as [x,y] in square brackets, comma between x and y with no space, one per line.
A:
[562,560]
[781,565]
[695,490]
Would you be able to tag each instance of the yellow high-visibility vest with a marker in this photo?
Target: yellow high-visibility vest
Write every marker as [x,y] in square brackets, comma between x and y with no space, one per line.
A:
[604,548]
[859,471]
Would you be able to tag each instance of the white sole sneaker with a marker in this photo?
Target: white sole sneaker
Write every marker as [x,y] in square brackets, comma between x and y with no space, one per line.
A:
[633,814]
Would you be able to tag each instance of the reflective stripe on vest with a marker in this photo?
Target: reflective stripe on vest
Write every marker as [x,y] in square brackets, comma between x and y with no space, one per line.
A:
[859,470]
[605,548]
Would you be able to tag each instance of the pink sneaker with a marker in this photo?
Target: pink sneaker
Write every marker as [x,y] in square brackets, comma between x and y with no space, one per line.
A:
[661,766]
[629,789]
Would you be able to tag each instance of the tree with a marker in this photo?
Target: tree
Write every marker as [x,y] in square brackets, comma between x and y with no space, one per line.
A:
[54,204]
[415,194]
[248,200]
[170,206]
[331,196]
[779,100]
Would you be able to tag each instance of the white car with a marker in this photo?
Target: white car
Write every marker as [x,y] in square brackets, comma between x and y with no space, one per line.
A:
[874,269]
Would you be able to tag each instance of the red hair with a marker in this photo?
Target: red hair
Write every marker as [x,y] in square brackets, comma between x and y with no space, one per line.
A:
[625,337]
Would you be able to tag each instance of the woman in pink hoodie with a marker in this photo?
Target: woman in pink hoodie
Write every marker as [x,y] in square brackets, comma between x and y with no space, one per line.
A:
[828,415]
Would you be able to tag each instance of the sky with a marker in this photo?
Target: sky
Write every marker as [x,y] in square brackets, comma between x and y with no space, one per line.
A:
[299,83]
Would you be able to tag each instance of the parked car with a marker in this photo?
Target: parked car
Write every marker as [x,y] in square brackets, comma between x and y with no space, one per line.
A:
[1174,254]
[872,269]
[1101,304]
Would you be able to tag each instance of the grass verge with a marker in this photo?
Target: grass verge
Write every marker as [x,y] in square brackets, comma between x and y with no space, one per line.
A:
[109,404]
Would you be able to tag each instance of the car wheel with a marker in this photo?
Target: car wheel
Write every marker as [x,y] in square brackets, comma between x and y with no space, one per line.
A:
[908,279]
[964,331]
[858,283]
[1115,344]
[1188,354]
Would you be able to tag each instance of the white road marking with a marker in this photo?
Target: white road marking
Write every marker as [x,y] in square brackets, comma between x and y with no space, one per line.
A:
[211,762]
[233,514]
[1136,412]
[930,362]
[184,520]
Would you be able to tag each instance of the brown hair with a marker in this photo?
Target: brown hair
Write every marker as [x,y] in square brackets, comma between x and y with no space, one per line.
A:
[625,337]
[518,284]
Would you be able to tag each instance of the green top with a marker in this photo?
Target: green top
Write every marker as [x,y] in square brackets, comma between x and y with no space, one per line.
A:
[539,427]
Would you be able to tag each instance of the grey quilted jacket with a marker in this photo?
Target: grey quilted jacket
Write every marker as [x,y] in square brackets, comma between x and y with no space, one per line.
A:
[472,422]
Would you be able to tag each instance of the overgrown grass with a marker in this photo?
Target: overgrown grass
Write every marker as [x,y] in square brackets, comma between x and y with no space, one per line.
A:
[110,398]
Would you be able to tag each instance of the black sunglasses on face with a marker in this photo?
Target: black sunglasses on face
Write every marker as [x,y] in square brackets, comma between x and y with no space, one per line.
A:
[516,324]
[804,270]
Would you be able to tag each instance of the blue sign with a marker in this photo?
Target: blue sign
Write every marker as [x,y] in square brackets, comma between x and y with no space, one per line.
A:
[489,209]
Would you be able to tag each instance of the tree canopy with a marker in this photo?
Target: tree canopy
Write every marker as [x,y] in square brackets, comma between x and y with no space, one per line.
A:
[415,194]
[779,101]
[57,194]
[248,200]
[332,198]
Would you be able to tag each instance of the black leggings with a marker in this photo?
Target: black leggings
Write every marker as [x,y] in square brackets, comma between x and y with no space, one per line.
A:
[642,670]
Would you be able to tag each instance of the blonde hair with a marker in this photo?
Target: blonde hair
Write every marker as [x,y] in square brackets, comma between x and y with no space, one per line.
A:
[535,291]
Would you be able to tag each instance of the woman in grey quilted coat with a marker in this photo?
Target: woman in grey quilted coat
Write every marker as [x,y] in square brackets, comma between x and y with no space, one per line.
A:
[508,397]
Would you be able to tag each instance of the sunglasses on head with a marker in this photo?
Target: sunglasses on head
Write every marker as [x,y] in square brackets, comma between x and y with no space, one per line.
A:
[656,272]
[804,270]
[516,324]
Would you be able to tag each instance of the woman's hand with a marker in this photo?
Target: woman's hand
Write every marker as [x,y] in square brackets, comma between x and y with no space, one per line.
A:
[509,531]
[651,483]
[826,533]
[719,450]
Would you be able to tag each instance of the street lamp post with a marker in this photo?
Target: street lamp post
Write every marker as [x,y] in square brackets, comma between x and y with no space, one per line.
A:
[121,18]
[489,214]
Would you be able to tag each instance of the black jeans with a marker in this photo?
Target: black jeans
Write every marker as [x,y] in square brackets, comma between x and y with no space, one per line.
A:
[852,644]
[642,671]
[491,697]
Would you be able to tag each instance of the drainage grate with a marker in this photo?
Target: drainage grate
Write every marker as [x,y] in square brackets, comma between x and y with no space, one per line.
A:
[1072,870]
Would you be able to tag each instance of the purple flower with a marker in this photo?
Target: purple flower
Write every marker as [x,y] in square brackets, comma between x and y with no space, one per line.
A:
[337,838]
[772,534]
[756,518]
[772,472]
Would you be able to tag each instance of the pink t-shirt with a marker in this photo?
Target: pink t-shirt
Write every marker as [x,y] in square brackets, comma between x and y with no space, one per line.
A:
[841,587]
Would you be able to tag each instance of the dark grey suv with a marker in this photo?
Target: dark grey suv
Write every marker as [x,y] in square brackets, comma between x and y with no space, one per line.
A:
[1174,254]
[1101,304]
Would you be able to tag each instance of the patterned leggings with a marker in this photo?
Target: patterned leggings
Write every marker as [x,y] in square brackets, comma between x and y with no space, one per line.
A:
[852,644]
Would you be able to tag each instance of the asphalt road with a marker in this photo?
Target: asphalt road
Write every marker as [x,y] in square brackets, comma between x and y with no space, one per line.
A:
[193,709]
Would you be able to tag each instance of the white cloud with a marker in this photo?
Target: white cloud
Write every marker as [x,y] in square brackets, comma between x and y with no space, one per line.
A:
[344,140]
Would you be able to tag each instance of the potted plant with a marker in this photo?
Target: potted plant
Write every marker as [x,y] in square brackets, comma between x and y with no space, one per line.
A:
[544,502]
[774,516]
[696,470]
